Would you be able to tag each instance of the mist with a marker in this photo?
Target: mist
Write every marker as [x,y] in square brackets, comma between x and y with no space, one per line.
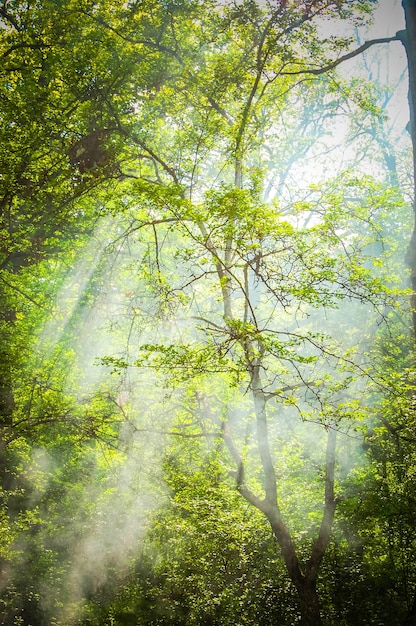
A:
[218,284]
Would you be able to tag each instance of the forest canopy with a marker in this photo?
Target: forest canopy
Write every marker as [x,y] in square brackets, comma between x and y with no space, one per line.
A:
[207,312]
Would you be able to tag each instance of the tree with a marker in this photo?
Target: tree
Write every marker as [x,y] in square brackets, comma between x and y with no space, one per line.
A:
[408,38]
[252,259]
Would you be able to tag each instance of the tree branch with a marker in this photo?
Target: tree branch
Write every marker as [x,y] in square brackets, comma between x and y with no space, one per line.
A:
[155,157]
[322,541]
[239,475]
[31,46]
[345,57]
[9,18]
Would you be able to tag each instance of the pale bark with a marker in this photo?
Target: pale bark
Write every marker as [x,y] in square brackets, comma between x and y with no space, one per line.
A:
[303,577]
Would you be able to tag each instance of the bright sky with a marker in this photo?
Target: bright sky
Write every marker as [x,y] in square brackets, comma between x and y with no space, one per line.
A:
[388,19]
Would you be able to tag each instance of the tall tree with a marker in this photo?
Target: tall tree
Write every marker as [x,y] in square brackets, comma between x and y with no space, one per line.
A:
[252,258]
[408,38]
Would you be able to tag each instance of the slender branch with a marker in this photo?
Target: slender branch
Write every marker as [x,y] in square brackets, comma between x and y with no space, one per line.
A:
[221,268]
[156,158]
[134,228]
[156,247]
[219,109]
[239,475]
[9,18]
[175,433]
[31,46]
[345,57]
[247,107]
[324,535]
[145,42]
[22,293]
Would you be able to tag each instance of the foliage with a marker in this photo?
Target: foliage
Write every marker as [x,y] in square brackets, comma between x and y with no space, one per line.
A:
[159,215]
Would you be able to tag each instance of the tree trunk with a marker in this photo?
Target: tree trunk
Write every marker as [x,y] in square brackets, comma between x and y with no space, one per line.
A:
[408,38]
[7,320]
[410,619]
[304,582]
[303,578]
[309,604]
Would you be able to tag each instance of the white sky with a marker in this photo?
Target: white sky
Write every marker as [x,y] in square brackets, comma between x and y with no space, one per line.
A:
[388,18]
